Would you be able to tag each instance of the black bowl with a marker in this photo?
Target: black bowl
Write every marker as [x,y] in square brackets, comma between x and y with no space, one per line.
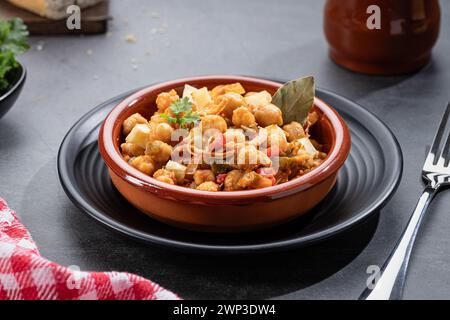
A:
[17,79]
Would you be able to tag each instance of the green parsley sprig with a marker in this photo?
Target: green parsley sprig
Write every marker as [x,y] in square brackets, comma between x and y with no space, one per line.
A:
[182,111]
[13,41]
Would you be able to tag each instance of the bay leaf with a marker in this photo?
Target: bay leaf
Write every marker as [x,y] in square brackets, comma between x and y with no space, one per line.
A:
[295,99]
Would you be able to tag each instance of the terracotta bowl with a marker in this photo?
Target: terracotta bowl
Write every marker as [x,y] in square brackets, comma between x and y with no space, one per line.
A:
[221,211]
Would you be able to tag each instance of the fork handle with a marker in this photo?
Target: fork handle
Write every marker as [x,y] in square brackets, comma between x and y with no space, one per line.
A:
[391,282]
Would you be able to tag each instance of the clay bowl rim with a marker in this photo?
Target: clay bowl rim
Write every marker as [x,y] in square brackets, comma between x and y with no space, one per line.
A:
[110,152]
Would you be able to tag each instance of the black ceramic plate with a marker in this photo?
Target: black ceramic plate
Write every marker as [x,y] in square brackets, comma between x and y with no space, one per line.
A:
[366,181]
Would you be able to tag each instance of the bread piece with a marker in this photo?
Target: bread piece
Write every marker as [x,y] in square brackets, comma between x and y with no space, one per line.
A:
[52,9]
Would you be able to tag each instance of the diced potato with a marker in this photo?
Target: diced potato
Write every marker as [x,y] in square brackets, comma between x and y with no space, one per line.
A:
[187,92]
[259,99]
[177,168]
[201,98]
[139,135]
[309,148]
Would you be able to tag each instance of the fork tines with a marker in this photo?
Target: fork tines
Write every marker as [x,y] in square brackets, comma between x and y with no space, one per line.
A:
[439,151]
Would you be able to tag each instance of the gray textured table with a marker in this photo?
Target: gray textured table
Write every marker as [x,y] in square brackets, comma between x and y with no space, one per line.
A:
[283,39]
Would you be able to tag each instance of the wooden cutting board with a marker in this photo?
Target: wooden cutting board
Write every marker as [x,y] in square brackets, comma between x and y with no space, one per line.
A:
[93,20]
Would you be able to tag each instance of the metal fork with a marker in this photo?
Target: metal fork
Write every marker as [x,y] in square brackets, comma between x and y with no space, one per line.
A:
[436,174]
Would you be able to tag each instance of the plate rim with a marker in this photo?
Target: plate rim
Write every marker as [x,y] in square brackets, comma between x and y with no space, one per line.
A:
[100,217]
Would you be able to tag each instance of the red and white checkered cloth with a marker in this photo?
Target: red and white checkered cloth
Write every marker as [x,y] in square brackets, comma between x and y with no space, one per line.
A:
[24,274]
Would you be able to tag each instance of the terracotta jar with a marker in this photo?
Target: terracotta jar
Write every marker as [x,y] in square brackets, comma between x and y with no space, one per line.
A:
[381,36]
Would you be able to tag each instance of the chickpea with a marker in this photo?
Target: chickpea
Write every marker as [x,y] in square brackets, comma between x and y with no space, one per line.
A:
[165,99]
[234,135]
[232,179]
[230,101]
[201,176]
[156,118]
[165,179]
[243,117]
[131,121]
[268,115]
[165,176]
[144,164]
[161,131]
[294,131]
[132,149]
[213,122]
[208,186]
[159,151]
[253,180]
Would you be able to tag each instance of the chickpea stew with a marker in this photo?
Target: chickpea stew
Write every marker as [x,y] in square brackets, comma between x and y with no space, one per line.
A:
[223,139]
